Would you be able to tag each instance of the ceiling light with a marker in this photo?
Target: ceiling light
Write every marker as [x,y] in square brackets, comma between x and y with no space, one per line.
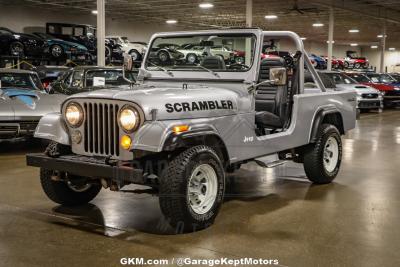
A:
[271,16]
[354,31]
[380,36]
[318,25]
[171,21]
[374,46]
[353,44]
[206,5]
[94,12]
[303,38]
[392,49]
[328,42]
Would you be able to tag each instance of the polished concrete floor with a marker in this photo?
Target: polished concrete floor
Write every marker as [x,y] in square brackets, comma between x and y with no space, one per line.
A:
[268,213]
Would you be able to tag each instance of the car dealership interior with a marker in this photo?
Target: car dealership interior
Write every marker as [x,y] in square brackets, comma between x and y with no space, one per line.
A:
[199,133]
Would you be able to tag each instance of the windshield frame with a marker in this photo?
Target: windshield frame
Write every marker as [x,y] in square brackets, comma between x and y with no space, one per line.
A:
[248,75]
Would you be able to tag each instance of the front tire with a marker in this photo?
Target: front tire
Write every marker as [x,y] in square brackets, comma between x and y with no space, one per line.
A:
[192,189]
[69,193]
[323,158]
[56,51]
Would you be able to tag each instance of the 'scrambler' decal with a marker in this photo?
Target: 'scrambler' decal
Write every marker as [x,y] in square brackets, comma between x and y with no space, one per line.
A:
[199,105]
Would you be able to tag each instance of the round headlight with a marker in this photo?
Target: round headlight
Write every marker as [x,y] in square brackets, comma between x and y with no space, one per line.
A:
[128,119]
[74,114]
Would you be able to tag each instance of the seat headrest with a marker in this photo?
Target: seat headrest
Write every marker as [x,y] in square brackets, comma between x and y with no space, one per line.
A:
[213,62]
[273,62]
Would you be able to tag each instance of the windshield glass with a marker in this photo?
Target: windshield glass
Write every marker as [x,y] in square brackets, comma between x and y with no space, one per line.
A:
[381,78]
[340,78]
[202,53]
[360,78]
[20,81]
[108,77]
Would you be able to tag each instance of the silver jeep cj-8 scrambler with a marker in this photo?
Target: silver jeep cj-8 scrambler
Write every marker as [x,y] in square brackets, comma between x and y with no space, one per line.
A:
[183,125]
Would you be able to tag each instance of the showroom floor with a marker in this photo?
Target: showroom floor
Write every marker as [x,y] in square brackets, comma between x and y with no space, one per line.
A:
[269,213]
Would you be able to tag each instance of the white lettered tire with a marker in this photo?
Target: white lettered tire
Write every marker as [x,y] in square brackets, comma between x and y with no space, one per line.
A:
[192,189]
[322,159]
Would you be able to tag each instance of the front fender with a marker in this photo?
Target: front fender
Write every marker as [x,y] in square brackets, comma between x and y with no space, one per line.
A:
[52,127]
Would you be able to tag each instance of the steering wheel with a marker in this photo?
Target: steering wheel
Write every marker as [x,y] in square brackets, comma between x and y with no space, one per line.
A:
[238,66]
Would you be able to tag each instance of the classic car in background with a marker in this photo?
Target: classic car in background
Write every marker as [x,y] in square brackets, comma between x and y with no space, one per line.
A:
[352,60]
[23,101]
[135,49]
[368,98]
[165,53]
[89,78]
[391,93]
[318,62]
[195,52]
[20,44]
[60,49]
[49,74]
[337,63]
[85,35]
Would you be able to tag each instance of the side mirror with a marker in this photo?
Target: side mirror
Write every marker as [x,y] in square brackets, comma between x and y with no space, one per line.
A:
[278,76]
[128,62]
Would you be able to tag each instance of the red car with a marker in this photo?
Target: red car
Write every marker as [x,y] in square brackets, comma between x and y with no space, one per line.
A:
[352,60]
[337,63]
[391,93]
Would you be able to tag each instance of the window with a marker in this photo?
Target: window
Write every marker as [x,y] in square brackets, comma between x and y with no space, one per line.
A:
[111,77]
[21,81]
[66,30]
[201,53]
[78,31]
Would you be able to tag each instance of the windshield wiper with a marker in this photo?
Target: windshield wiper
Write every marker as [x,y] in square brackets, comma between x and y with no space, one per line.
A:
[210,71]
[161,68]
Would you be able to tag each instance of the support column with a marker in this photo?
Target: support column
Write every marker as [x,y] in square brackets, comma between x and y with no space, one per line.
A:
[330,38]
[249,13]
[383,49]
[101,32]
[249,23]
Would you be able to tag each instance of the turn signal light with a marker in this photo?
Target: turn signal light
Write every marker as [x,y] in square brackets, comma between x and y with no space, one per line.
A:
[180,129]
[126,142]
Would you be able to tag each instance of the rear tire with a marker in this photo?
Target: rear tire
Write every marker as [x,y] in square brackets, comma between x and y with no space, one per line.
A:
[56,51]
[192,189]
[322,159]
[136,56]
[17,49]
[65,193]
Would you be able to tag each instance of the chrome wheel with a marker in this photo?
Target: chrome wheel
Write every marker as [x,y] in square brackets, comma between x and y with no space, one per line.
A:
[202,188]
[17,48]
[163,56]
[191,59]
[56,51]
[331,154]
[134,55]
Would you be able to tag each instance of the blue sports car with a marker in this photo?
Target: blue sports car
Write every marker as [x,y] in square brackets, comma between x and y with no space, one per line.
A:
[318,62]
[60,49]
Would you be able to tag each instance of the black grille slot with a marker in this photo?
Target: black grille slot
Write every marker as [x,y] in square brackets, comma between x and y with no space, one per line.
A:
[101,131]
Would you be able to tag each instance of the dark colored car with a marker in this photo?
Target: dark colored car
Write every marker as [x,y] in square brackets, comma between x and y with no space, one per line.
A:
[318,62]
[60,49]
[395,76]
[20,44]
[88,78]
[49,74]
[82,34]
[165,54]
[390,92]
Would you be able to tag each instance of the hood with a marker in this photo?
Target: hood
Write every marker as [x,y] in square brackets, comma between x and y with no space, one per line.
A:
[25,104]
[174,102]
[359,88]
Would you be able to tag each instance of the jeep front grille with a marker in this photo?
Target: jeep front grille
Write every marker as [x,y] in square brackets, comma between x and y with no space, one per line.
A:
[101,131]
